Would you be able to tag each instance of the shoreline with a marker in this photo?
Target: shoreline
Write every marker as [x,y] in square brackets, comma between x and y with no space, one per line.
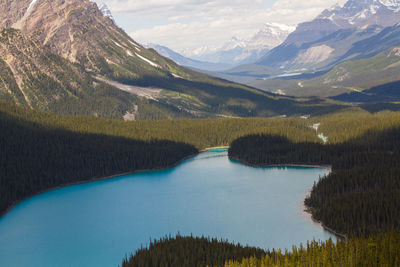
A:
[306,209]
[212,148]
[326,228]
[327,167]
[102,178]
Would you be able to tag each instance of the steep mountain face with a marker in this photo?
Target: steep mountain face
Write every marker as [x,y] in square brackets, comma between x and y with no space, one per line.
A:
[237,51]
[311,40]
[354,14]
[78,31]
[68,57]
[33,76]
[342,45]
[335,36]
[270,36]
[12,11]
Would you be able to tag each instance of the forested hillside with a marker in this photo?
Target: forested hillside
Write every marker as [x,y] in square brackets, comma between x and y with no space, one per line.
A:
[28,135]
[379,250]
[201,133]
[42,150]
[189,251]
[361,196]
[35,158]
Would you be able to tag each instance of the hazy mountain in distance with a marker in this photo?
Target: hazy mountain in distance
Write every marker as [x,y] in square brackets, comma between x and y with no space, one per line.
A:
[184,61]
[238,51]
[325,41]
[356,15]
[327,56]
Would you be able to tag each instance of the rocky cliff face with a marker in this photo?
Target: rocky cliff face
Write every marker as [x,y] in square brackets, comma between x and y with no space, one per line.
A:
[332,37]
[67,57]
[354,14]
[78,31]
[33,76]
[12,11]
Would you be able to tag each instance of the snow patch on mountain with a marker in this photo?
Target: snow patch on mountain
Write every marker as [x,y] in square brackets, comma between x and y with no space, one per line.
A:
[395,52]
[105,10]
[148,61]
[31,5]
[28,11]
[117,44]
[361,13]
[391,4]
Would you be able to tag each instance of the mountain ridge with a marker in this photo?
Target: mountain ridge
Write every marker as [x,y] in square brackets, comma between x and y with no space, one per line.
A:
[110,75]
[241,51]
[354,31]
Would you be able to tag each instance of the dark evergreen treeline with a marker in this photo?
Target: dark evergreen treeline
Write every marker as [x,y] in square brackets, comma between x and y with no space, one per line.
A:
[361,196]
[190,252]
[374,251]
[261,149]
[34,158]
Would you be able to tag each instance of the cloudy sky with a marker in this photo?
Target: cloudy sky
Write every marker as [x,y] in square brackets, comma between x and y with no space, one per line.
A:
[190,24]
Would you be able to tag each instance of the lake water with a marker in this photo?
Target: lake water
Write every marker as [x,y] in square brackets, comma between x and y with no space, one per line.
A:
[97,224]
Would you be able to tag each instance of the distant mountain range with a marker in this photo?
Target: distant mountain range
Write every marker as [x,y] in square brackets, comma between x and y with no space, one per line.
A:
[360,29]
[233,53]
[188,62]
[69,57]
[354,14]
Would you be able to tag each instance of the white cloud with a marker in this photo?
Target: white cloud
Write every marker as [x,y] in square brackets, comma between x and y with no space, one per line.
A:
[189,24]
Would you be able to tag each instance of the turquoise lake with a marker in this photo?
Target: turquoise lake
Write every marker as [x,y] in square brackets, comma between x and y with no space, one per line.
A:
[98,223]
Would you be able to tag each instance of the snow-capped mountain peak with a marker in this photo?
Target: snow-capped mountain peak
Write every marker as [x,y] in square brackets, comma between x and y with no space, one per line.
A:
[358,14]
[391,4]
[362,13]
[240,51]
[335,7]
[105,10]
[235,42]
[270,36]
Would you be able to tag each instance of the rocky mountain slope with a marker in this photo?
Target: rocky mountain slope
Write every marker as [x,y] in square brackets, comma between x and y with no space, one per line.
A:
[347,77]
[68,57]
[31,75]
[356,31]
[313,38]
[78,31]
[354,14]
